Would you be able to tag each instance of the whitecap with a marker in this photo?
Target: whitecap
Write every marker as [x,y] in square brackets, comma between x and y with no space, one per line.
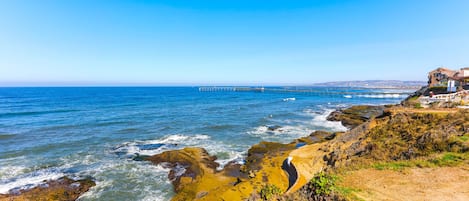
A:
[320,122]
[289,99]
[282,134]
[382,96]
[147,181]
[10,171]
[179,141]
[29,180]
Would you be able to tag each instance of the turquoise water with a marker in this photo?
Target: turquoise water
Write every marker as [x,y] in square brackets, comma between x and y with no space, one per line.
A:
[46,133]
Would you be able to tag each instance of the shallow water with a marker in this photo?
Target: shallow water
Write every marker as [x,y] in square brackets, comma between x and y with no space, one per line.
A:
[47,133]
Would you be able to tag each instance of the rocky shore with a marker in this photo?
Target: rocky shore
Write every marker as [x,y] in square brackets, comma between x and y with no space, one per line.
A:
[308,167]
[64,189]
[378,134]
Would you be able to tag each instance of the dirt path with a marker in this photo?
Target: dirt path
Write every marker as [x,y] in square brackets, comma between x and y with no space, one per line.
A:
[422,184]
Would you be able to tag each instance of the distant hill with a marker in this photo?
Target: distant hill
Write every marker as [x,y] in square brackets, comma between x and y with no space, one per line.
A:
[374,84]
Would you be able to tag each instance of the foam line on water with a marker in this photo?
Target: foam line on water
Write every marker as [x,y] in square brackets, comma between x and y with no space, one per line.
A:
[30,180]
[179,141]
[320,121]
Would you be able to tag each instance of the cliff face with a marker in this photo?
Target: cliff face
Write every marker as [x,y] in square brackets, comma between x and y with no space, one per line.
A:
[402,136]
[385,135]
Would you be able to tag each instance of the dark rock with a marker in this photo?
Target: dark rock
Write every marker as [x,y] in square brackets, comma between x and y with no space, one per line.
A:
[139,157]
[273,128]
[356,115]
[65,189]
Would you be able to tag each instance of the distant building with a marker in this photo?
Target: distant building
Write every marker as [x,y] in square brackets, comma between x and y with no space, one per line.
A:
[452,79]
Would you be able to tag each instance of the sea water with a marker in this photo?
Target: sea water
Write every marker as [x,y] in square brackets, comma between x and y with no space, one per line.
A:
[47,133]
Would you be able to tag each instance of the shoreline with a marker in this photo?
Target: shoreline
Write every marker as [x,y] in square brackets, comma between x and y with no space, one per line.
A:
[308,159]
[265,162]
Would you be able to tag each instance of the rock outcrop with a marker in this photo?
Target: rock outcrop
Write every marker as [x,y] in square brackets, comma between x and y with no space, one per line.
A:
[378,134]
[356,115]
[65,189]
[194,174]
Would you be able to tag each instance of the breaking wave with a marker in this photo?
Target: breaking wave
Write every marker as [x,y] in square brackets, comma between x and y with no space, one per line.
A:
[224,152]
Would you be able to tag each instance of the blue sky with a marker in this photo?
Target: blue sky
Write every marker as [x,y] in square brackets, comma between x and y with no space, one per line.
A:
[81,42]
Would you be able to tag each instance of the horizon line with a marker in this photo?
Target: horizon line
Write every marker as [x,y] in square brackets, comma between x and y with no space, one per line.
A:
[175,84]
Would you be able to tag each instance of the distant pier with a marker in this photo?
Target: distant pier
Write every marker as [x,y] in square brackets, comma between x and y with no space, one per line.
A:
[312,91]
[239,89]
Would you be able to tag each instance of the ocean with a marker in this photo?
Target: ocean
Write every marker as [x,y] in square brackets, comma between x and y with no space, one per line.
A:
[47,133]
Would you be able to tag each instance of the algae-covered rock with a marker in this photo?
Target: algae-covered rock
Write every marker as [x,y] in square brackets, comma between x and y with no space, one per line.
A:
[194,175]
[316,136]
[356,115]
[64,189]
[187,165]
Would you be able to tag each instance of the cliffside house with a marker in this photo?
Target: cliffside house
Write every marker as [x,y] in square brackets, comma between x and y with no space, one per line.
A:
[452,79]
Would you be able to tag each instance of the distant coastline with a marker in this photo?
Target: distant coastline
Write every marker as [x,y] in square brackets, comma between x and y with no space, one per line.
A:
[375,84]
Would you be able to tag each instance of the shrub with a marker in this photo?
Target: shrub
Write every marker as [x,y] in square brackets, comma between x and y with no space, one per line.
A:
[323,184]
[418,105]
[269,191]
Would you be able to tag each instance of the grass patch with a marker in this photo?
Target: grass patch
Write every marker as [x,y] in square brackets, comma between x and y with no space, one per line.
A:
[348,193]
[450,159]
[269,191]
[393,165]
[418,106]
[464,138]
[443,160]
[328,184]
[413,98]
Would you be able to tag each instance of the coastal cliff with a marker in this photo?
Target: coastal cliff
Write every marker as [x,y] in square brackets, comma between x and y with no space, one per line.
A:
[378,135]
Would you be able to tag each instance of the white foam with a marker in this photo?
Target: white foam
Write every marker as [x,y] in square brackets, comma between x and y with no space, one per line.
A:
[384,95]
[289,99]
[235,156]
[179,141]
[29,180]
[320,120]
[148,182]
[10,171]
[283,134]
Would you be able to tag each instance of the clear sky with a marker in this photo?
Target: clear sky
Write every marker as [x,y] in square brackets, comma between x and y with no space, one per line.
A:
[190,42]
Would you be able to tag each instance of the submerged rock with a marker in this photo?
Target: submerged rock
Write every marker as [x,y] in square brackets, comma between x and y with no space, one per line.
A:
[65,189]
[274,128]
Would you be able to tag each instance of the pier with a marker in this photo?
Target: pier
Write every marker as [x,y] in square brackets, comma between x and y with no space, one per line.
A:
[310,90]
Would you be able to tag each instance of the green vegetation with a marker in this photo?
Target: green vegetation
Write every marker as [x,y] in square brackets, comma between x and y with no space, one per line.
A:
[269,191]
[442,160]
[418,106]
[327,185]
[393,165]
[464,138]
[323,184]
[410,136]
[348,193]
